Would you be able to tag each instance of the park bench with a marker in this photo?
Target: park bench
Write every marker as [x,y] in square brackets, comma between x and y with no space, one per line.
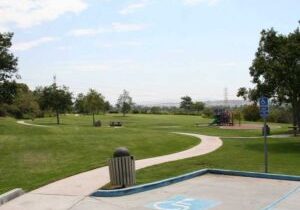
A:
[294,129]
[115,124]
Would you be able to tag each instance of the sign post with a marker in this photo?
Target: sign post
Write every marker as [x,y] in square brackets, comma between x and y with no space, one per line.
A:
[264,112]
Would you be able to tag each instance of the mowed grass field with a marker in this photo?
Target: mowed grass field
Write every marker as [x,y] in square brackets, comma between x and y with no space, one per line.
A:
[34,156]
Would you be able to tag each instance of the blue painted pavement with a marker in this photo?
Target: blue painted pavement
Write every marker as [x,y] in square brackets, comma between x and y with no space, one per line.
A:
[180,202]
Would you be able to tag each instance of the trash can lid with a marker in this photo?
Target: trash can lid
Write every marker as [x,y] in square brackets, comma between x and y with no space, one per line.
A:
[121,152]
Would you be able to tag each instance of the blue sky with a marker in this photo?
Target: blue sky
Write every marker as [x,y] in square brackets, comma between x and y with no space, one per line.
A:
[159,50]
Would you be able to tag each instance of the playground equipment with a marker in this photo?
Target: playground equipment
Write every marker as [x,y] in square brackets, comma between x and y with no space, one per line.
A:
[223,118]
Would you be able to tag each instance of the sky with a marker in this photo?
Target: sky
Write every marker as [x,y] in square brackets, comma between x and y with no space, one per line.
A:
[158,50]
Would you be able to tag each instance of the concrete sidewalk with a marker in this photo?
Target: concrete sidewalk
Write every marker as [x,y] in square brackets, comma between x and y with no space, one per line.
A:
[69,192]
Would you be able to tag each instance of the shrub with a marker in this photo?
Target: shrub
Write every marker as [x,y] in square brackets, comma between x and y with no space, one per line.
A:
[155,110]
[208,112]
[135,111]
[3,111]
[251,112]
[14,111]
[280,115]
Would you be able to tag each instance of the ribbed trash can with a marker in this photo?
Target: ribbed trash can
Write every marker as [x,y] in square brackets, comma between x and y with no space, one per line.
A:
[122,168]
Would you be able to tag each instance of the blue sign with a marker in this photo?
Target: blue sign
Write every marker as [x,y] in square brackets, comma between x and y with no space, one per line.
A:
[264,107]
[183,203]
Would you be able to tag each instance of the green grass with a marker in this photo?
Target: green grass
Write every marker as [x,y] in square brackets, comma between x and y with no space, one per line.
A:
[235,154]
[34,156]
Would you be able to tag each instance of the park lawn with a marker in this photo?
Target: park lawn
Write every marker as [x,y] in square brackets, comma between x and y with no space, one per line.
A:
[235,154]
[34,156]
[31,157]
[163,123]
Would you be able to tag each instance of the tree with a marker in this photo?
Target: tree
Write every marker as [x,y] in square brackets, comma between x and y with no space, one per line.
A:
[94,102]
[8,69]
[25,102]
[8,62]
[186,103]
[57,99]
[208,112]
[79,104]
[155,110]
[275,70]
[8,91]
[198,106]
[107,107]
[124,103]
[251,112]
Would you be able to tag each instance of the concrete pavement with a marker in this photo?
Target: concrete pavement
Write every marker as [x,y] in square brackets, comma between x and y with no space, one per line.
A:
[218,192]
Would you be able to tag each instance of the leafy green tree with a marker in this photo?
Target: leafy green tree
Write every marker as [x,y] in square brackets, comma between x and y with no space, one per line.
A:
[280,114]
[186,103]
[57,99]
[155,110]
[25,102]
[198,106]
[251,112]
[124,103]
[94,102]
[107,107]
[276,70]
[79,104]
[8,91]
[208,112]
[8,62]
[8,69]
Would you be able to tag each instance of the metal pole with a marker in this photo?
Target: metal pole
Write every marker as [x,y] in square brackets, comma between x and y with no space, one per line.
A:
[265,145]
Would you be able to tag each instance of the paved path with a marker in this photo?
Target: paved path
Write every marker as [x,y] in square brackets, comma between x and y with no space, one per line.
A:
[66,193]
[277,136]
[30,124]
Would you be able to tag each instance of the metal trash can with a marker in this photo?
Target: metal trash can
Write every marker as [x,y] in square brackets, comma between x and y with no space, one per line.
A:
[122,168]
[268,130]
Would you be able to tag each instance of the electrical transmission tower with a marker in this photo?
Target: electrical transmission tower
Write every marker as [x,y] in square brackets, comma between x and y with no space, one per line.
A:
[54,79]
[226,96]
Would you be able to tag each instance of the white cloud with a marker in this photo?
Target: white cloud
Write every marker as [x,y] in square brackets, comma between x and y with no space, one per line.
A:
[115,27]
[120,44]
[22,46]
[133,7]
[87,32]
[28,13]
[123,27]
[197,2]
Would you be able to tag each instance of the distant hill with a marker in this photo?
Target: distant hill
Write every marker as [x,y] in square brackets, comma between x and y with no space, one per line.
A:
[231,103]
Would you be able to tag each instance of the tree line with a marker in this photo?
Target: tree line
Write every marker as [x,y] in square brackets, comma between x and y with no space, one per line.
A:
[55,100]
[275,72]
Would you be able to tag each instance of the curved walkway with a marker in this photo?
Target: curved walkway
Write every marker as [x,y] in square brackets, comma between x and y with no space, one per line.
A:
[65,193]
[30,124]
[277,136]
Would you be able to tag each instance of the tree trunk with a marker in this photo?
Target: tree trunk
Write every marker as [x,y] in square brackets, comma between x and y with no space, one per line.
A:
[93,119]
[57,118]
